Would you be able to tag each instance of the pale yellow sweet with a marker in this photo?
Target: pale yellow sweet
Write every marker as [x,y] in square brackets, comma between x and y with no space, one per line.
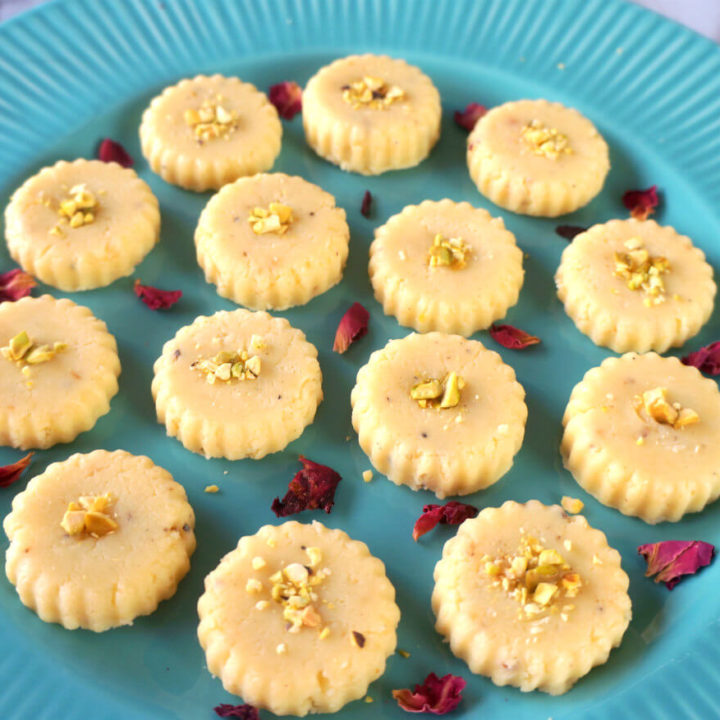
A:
[50,402]
[237,417]
[481,282]
[262,268]
[535,157]
[336,644]
[94,581]
[598,297]
[629,460]
[120,224]
[517,640]
[396,129]
[451,450]
[205,132]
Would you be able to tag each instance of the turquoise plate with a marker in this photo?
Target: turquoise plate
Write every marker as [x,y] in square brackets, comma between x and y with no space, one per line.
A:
[75,71]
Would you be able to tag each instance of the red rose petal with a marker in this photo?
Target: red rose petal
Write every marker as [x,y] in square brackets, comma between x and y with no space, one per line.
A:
[156,299]
[671,560]
[452,513]
[706,359]
[569,231]
[512,338]
[244,712]
[15,284]
[470,115]
[287,99]
[311,488]
[436,695]
[366,207]
[11,473]
[641,203]
[111,151]
[353,325]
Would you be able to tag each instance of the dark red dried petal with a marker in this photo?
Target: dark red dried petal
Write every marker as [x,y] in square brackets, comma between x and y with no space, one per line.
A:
[244,712]
[672,560]
[512,338]
[287,99]
[11,473]
[353,325]
[706,359]
[15,284]
[111,151]
[436,695]
[311,488]
[366,207]
[470,115]
[452,513]
[157,299]
[569,231]
[641,203]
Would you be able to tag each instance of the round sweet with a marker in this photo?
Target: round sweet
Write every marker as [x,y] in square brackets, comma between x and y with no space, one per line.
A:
[371,113]
[530,597]
[635,285]
[205,132]
[461,439]
[56,379]
[445,266]
[641,436]
[298,619]
[265,260]
[237,384]
[81,225]
[98,540]
[535,157]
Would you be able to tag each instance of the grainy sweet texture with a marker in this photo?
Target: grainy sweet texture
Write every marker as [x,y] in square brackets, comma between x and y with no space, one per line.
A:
[439,412]
[641,436]
[445,266]
[530,597]
[59,371]
[298,619]
[263,260]
[81,225]
[98,540]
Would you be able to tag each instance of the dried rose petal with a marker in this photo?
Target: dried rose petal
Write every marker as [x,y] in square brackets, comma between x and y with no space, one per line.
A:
[353,325]
[452,513]
[436,695]
[312,487]
[569,231]
[157,299]
[470,115]
[670,560]
[15,284]
[641,203]
[111,151]
[512,338]
[287,99]
[11,473]
[244,712]
[706,359]
[366,207]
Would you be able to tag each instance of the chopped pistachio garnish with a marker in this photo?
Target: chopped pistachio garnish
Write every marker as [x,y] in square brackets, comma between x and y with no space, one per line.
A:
[258,563]
[448,252]
[276,218]
[655,404]
[642,271]
[22,350]
[76,210]
[535,576]
[211,120]
[572,505]
[90,515]
[371,92]
[546,141]
[438,394]
[228,366]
